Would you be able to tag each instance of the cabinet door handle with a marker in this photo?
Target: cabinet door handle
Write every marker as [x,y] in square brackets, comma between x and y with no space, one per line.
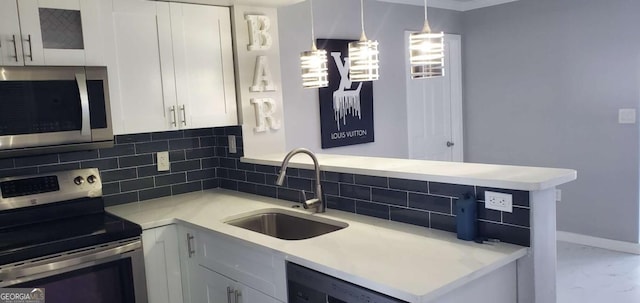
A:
[15,48]
[30,49]
[450,144]
[175,119]
[230,291]
[184,115]
[190,247]
[238,296]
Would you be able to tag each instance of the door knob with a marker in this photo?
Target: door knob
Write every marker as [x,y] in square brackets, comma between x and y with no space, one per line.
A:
[449,144]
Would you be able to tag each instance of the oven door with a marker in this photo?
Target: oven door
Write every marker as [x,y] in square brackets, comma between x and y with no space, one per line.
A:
[107,273]
[48,106]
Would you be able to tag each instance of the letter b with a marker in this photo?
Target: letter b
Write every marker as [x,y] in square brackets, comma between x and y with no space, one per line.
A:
[259,37]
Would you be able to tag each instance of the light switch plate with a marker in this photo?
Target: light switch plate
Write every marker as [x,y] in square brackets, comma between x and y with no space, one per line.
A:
[232,144]
[498,201]
[163,161]
[627,116]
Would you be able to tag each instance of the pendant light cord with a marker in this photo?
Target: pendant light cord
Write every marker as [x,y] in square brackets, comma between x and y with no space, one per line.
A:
[313,34]
[363,37]
[362,14]
[425,10]
[426,28]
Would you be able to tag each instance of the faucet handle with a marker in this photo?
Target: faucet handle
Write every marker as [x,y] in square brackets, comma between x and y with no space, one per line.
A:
[315,203]
[308,203]
[304,199]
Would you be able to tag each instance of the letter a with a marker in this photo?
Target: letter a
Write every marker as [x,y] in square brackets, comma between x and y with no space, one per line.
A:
[262,80]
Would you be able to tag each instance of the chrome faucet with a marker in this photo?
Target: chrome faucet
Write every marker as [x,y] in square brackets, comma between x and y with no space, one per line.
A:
[317,203]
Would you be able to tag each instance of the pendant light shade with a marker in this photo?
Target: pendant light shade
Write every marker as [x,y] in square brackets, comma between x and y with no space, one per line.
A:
[426,51]
[314,68]
[363,56]
[314,63]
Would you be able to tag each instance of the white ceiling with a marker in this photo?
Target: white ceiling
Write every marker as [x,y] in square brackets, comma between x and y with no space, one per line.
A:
[458,5]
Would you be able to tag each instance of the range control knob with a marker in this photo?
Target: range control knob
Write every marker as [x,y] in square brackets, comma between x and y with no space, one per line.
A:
[78,180]
[92,179]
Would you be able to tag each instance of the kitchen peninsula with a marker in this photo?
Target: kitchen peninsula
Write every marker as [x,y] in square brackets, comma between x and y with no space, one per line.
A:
[535,186]
[404,261]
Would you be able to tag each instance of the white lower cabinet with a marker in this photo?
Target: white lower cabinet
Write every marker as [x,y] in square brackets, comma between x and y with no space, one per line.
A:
[219,269]
[162,264]
[218,288]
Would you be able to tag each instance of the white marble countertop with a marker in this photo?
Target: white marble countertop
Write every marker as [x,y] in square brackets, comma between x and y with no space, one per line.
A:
[489,175]
[408,262]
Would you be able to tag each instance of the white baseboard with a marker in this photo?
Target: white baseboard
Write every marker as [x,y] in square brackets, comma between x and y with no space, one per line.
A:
[621,246]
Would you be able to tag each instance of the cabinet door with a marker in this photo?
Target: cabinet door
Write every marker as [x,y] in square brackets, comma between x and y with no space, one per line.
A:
[162,264]
[60,32]
[193,289]
[218,289]
[145,88]
[257,267]
[201,283]
[246,294]
[10,41]
[203,57]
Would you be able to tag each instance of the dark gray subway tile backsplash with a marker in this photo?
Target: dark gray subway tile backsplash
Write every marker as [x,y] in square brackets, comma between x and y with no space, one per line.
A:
[128,169]
[422,203]
[200,159]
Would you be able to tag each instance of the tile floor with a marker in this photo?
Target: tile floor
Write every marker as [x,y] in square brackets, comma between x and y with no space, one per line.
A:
[592,275]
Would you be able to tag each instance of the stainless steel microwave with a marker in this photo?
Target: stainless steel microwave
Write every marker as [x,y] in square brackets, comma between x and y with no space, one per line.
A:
[53,109]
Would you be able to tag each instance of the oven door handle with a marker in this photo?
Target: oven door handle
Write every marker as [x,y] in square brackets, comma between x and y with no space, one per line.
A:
[81,79]
[48,265]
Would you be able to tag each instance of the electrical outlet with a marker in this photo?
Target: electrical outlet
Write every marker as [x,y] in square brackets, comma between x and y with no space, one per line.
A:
[558,195]
[163,161]
[498,201]
[232,144]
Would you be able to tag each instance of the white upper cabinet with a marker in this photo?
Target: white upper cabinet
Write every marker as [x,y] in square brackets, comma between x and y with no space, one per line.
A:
[144,89]
[174,66]
[203,60]
[50,32]
[10,38]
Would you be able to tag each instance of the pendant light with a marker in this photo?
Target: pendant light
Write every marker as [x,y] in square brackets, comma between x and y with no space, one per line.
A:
[363,56]
[426,50]
[314,63]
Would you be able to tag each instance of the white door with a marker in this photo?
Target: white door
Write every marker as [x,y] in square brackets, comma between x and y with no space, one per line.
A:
[10,41]
[434,109]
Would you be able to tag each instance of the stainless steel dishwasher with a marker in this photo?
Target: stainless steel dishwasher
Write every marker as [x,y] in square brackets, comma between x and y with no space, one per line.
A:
[309,286]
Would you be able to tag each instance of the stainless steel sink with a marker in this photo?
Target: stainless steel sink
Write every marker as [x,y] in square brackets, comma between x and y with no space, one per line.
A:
[286,225]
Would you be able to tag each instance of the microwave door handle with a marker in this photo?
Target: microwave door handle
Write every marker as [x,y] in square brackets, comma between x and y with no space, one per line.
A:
[81,79]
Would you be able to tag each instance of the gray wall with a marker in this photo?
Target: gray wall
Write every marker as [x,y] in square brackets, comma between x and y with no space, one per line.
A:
[543,82]
[340,19]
